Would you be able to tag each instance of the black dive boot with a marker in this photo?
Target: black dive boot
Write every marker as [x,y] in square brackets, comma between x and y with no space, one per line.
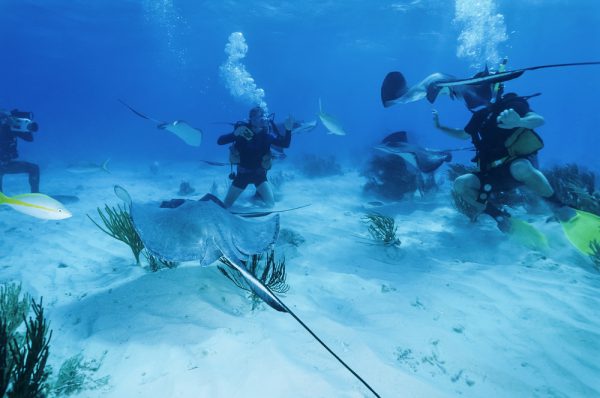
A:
[501,216]
[561,211]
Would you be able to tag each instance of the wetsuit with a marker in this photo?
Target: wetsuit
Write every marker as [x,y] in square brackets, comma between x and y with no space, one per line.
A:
[9,154]
[489,140]
[252,153]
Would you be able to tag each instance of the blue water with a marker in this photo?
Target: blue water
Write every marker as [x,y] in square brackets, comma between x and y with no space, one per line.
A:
[69,62]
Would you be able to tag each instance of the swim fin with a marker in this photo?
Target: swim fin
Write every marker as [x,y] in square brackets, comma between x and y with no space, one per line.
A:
[582,229]
[526,234]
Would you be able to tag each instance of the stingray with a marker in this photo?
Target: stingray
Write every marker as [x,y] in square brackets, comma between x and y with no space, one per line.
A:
[423,159]
[190,135]
[205,231]
[475,91]
[394,90]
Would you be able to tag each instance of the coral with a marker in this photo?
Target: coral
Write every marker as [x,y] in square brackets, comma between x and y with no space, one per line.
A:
[316,166]
[22,358]
[382,229]
[575,186]
[291,237]
[155,263]
[76,375]
[185,189]
[119,225]
[270,272]
[13,309]
[390,178]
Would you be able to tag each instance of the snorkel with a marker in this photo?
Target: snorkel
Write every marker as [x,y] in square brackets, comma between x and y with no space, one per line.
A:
[498,89]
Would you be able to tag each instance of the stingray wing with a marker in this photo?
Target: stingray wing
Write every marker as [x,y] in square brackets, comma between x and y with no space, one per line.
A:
[187,133]
[181,234]
[430,161]
[394,89]
[255,237]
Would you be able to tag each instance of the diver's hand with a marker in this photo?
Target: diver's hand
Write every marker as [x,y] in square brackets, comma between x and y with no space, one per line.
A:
[243,131]
[240,130]
[508,119]
[436,118]
[289,123]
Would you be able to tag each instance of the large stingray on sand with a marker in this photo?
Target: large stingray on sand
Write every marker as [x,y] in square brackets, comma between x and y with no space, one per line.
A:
[203,230]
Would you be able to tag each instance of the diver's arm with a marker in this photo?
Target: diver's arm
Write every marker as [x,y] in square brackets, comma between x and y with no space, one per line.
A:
[453,132]
[509,119]
[283,141]
[226,139]
[532,120]
[25,136]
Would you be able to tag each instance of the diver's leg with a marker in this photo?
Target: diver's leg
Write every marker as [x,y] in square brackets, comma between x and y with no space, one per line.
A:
[34,176]
[20,167]
[266,193]
[523,171]
[238,185]
[232,195]
[467,187]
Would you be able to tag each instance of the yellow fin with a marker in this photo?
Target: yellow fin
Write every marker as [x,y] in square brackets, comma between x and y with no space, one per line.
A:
[581,230]
[527,235]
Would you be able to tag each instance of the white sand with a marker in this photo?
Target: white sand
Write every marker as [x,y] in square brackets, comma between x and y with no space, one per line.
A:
[457,310]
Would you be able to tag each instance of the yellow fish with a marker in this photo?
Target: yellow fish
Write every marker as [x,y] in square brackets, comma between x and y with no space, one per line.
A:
[36,205]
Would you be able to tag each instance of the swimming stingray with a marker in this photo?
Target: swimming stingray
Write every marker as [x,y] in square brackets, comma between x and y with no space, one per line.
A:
[475,91]
[425,160]
[190,135]
[205,231]
[395,91]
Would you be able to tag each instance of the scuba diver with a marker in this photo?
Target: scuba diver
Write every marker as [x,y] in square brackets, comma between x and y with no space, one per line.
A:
[16,124]
[506,146]
[506,154]
[251,152]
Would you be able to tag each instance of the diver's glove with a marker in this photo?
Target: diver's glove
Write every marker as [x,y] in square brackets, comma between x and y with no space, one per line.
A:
[508,119]
[289,123]
[243,131]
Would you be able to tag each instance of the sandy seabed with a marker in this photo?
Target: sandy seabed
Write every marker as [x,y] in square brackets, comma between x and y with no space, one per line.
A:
[457,310]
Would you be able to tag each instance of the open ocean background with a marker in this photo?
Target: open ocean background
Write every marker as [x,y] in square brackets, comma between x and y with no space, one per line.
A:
[69,62]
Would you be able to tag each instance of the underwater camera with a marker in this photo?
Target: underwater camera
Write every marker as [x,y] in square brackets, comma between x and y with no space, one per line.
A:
[22,122]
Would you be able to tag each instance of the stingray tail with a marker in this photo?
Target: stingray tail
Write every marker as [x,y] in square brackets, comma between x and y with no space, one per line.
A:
[139,113]
[258,287]
[270,298]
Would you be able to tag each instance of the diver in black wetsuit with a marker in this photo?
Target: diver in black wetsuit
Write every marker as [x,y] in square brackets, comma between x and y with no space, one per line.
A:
[251,151]
[15,125]
[506,154]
